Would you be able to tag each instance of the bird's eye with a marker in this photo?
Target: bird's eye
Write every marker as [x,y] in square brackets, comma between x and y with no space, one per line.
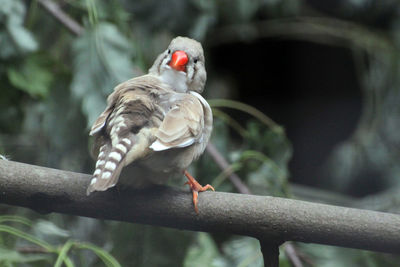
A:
[195,60]
[169,51]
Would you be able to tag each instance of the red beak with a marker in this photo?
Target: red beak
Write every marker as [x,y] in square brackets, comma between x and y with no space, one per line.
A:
[179,60]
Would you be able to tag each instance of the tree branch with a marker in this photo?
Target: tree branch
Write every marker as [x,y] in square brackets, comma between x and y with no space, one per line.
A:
[266,218]
[270,253]
[223,165]
[64,18]
[292,254]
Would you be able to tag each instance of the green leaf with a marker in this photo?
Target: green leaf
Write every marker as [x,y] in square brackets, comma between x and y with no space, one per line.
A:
[12,256]
[203,253]
[243,251]
[217,113]
[227,103]
[271,176]
[14,218]
[68,262]
[330,256]
[22,38]
[147,245]
[63,254]
[26,236]
[102,59]
[15,39]
[106,257]
[47,230]
[31,77]
[12,12]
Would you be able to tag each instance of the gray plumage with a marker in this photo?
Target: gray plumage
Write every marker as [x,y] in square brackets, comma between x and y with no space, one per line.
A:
[157,121]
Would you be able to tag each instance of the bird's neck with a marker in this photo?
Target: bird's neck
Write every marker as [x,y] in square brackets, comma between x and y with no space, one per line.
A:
[175,79]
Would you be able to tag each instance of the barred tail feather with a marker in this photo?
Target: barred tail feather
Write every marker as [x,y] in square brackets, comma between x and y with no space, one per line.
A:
[109,165]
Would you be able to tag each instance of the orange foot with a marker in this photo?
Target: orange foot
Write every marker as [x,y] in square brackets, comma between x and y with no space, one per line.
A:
[196,188]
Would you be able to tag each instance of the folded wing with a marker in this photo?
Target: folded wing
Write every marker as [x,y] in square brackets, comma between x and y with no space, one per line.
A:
[182,126]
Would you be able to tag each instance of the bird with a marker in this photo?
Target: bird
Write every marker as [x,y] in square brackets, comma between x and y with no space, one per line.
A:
[158,121]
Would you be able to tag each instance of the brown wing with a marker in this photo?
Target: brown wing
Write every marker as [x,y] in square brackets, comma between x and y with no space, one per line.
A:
[112,99]
[124,130]
[182,126]
[144,89]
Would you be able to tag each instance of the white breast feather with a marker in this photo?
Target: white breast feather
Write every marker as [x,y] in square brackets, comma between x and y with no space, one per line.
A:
[175,79]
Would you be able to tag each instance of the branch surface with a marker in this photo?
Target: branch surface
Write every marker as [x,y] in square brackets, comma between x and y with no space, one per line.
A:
[54,9]
[267,218]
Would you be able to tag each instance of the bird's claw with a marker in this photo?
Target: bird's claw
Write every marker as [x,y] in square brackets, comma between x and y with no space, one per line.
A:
[196,188]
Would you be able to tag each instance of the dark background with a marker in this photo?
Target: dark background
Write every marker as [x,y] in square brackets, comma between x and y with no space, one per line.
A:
[311,89]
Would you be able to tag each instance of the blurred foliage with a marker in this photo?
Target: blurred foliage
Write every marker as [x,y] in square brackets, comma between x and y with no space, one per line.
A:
[53,84]
[102,58]
[44,250]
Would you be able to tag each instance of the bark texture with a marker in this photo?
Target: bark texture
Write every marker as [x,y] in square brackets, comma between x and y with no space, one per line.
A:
[266,218]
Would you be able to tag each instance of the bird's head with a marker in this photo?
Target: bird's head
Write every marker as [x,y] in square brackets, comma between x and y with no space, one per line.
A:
[182,65]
